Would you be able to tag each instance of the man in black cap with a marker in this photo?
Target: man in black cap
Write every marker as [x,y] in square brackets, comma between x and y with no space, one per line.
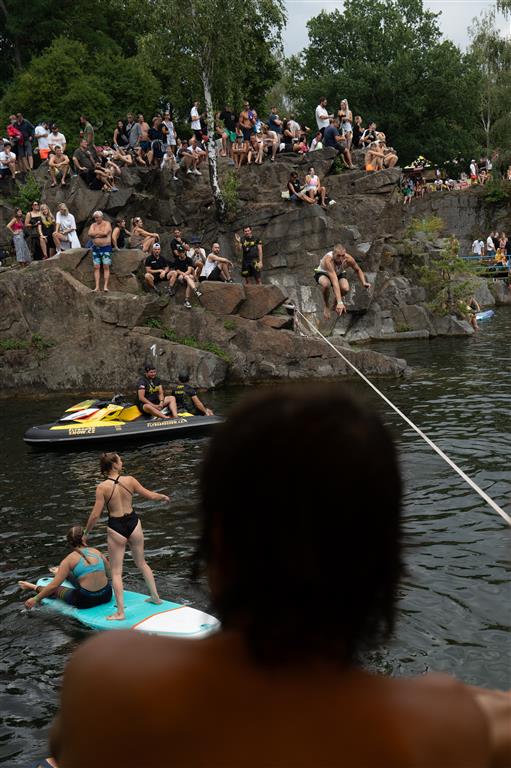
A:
[150,396]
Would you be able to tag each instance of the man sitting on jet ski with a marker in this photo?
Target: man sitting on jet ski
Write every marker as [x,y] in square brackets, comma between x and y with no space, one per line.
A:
[183,394]
[150,396]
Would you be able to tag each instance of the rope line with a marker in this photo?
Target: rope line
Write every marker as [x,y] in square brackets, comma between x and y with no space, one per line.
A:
[419,431]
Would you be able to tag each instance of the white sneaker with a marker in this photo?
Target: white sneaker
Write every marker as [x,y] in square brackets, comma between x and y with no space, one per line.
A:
[189,171]
[174,178]
[197,173]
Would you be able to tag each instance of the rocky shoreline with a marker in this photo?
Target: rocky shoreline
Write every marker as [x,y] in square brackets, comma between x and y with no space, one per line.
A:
[57,334]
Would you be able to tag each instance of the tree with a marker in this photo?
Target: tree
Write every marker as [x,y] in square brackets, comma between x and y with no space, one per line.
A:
[66,81]
[491,54]
[217,49]
[388,59]
[28,28]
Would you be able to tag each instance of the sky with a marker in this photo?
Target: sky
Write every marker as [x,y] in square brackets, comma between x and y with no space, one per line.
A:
[456,17]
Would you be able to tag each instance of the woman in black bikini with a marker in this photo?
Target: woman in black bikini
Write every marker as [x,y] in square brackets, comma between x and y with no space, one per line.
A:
[123,525]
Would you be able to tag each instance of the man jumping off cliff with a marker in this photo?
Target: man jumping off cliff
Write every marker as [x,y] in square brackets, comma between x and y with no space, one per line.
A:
[332,272]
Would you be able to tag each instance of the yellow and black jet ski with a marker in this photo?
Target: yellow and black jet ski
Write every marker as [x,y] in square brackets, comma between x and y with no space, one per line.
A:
[109,420]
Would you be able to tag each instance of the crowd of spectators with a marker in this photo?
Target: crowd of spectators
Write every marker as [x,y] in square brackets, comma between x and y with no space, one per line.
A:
[496,249]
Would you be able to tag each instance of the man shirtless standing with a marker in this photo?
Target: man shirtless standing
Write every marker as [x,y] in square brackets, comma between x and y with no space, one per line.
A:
[100,232]
[331,272]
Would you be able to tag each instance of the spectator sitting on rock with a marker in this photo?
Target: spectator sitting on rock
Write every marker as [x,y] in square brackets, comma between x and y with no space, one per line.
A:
[314,189]
[169,162]
[100,232]
[288,137]
[369,135]
[271,142]
[390,157]
[42,133]
[7,162]
[296,190]
[109,164]
[87,131]
[122,156]
[255,150]
[358,130]
[182,272]
[317,142]
[157,137]
[197,255]
[56,138]
[197,151]
[156,268]
[15,138]
[120,234]
[86,161]
[216,268]
[140,238]
[332,138]
[240,151]
[58,164]
[139,156]
[65,230]
[373,160]
[188,159]
[176,241]
[25,157]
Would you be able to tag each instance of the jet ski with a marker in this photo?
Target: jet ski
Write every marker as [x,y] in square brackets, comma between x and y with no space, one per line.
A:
[108,420]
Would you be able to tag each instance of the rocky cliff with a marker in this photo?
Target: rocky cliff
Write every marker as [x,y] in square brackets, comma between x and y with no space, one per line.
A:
[56,333]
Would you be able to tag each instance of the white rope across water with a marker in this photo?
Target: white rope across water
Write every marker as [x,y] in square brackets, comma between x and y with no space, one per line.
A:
[419,431]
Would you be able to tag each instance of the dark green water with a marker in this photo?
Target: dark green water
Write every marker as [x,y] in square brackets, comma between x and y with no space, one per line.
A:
[456,599]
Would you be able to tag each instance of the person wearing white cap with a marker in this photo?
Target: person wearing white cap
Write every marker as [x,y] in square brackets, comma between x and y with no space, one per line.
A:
[100,232]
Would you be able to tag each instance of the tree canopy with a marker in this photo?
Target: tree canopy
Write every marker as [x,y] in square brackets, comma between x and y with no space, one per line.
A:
[387,57]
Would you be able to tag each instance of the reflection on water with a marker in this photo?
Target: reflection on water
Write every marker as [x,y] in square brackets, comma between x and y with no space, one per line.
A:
[456,596]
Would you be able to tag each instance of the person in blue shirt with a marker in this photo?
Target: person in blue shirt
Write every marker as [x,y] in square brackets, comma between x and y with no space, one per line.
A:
[333,138]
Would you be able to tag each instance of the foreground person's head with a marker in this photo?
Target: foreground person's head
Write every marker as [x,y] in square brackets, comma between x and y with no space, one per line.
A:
[301,527]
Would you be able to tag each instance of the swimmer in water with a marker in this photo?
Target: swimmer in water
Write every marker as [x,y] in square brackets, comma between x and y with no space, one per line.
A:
[85,567]
[124,526]
[304,580]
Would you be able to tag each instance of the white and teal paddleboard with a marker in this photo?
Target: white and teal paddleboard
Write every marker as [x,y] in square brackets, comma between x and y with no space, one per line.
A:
[168,618]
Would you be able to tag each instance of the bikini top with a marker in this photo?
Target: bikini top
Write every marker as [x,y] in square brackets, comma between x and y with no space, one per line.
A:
[116,481]
[82,568]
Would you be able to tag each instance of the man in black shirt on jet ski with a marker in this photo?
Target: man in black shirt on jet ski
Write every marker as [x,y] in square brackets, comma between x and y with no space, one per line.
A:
[150,396]
[184,394]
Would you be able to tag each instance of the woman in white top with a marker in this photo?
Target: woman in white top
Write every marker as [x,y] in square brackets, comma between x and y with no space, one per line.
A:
[65,230]
[346,122]
[313,187]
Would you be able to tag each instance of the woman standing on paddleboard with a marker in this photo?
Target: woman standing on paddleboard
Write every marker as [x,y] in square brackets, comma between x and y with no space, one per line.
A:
[86,568]
[124,525]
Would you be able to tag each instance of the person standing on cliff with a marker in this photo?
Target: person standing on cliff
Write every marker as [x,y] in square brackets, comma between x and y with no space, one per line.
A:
[331,273]
[100,232]
[252,255]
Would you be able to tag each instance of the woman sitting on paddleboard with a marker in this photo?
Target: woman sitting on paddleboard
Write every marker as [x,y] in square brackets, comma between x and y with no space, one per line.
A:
[86,568]
[123,525]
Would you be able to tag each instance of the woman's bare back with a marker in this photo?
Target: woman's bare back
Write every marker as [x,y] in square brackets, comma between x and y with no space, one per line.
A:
[118,495]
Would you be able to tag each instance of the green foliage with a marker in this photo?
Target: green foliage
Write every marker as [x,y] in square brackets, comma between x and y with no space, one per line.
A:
[429,225]
[153,322]
[66,80]
[28,28]
[26,194]
[237,45]
[443,280]
[388,58]
[230,325]
[36,342]
[497,191]
[230,194]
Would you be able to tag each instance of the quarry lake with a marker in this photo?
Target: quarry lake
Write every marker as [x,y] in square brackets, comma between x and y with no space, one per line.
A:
[455,598]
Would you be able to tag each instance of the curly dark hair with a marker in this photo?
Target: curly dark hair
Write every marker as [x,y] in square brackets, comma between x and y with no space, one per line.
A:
[300,500]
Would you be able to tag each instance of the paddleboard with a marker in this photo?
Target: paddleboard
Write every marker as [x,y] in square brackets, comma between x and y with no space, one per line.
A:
[171,619]
[484,315]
